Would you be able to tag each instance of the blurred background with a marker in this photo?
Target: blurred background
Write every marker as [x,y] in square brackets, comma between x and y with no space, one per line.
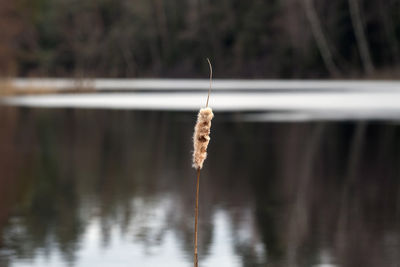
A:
[98,100]
[171,38]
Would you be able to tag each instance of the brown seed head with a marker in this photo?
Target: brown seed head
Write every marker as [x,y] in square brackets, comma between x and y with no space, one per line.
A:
[201,136]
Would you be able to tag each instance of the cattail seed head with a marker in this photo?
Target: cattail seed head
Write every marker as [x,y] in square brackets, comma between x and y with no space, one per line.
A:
[201,136]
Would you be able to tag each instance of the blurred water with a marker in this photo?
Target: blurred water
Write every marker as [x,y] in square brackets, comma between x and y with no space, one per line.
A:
[92,187]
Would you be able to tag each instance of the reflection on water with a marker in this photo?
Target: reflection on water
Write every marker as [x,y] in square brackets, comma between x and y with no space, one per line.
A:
[115,188]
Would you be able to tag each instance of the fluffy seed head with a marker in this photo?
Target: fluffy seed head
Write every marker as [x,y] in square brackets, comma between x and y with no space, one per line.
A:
[201,136]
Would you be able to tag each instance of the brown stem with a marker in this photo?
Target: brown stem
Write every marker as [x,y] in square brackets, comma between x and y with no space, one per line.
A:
[209,90]
[196,260]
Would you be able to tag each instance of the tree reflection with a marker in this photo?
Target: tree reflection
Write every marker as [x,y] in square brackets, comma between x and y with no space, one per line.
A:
[297,194]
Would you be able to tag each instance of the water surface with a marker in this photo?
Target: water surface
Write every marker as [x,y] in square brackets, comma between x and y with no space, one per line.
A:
[93,187]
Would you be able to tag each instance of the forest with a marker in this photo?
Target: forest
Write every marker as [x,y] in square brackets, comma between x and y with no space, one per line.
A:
[286,39]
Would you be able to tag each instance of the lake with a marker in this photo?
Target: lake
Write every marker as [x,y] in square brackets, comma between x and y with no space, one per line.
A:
[100,185]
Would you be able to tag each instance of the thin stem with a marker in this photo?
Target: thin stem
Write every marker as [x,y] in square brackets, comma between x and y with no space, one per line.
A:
[196,259]
[209,90]
[196,217]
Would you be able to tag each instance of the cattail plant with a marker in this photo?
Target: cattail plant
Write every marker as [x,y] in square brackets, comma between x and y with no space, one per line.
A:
[201,138]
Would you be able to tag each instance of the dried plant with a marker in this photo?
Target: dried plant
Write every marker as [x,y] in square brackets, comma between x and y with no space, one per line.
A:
[201,138]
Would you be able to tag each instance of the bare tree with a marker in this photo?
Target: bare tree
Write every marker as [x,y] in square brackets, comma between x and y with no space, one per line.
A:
[320,38]
[389,29]
[12,25]
[161,21]
[360,36]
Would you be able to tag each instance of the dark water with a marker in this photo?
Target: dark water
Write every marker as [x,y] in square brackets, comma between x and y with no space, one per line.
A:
[115,188]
